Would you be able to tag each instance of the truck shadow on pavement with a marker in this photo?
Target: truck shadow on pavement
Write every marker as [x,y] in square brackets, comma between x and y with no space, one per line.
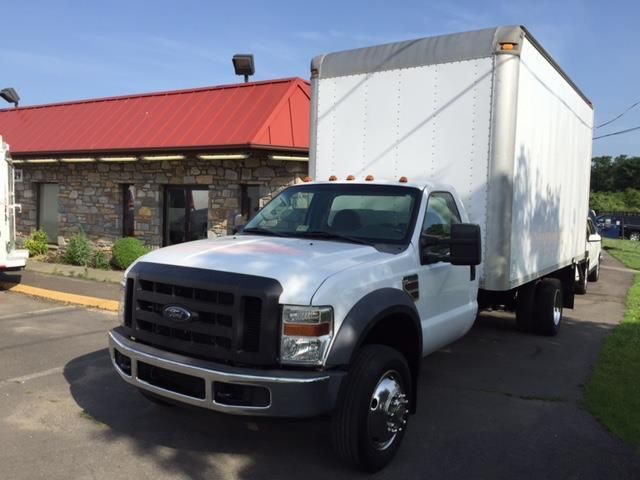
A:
[491,403]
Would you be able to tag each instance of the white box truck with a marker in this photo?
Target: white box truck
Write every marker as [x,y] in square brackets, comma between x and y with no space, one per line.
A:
[448,173]
[11,259]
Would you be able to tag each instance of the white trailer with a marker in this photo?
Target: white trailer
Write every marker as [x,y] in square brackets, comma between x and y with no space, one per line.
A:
[10,258]
[488,112]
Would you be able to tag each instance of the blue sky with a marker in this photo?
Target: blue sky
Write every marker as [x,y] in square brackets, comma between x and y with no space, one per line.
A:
[54,51]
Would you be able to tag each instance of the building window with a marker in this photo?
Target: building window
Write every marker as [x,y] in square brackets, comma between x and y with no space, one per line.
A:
[186,214]
[128,209]
[249,200]
[48,210]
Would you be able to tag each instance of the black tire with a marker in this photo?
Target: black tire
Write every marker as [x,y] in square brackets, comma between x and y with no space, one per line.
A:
[581,284]
[594,275]
[548,306]
[157,399]
[524,307]
[351,433]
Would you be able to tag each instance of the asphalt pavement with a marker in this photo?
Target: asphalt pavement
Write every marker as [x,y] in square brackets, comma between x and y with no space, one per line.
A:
[496,404]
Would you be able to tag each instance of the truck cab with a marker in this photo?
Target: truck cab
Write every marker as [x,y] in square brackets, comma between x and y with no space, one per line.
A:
[271,320]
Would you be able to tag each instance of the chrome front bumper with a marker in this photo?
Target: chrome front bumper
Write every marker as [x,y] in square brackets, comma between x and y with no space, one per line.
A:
[292,393]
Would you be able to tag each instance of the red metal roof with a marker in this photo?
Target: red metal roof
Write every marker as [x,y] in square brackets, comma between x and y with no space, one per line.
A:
[272,114]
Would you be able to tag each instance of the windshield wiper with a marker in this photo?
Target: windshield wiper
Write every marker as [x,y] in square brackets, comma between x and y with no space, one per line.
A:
[265,231]
[332,236]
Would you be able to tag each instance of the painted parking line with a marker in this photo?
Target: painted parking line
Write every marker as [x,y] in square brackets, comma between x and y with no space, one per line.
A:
[36,313]
[31,376]
[63,297]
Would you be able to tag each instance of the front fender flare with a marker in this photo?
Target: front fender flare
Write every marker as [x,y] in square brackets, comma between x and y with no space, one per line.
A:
[364,315]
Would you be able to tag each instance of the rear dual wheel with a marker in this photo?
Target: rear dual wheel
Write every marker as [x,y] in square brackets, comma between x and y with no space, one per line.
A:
[539,307]
[548,306]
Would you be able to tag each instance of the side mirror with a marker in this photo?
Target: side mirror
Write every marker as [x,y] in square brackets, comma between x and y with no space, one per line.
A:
[594,238]
[466,244]
[463,247]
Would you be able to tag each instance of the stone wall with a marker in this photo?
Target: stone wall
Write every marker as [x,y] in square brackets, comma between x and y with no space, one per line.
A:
[91,194]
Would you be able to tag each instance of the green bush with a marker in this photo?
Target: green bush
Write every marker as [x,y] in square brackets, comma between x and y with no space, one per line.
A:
[80,250]
[100,260]
[37,243]
[126,251]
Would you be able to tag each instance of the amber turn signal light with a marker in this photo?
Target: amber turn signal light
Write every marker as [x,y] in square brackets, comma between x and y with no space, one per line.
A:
[306,329]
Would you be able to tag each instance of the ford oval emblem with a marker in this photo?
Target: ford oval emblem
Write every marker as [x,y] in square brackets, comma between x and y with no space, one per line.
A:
[176,313]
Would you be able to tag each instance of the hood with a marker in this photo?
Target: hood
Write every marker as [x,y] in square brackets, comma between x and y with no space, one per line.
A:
[300,265]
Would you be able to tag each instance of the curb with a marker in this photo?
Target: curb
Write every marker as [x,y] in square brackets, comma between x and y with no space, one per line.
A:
[62,297]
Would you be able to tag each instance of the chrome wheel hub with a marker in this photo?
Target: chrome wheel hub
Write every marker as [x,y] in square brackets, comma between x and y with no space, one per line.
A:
[388,411]
[557,309]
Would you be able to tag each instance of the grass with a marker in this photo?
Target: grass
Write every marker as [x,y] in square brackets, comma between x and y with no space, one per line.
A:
[626,251]
[613,393]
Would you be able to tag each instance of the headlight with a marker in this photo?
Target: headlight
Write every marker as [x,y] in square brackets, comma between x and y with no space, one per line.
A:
[306,334]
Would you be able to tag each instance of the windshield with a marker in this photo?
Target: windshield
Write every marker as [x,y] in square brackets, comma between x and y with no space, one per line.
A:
[352,212]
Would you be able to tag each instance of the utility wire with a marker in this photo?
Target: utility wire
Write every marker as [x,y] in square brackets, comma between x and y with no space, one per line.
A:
[617,133]
[616,118]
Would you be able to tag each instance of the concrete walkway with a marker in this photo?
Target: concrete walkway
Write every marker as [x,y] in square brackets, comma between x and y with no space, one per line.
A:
[77,291]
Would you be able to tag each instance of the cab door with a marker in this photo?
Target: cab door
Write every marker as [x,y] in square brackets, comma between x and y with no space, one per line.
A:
[448,294]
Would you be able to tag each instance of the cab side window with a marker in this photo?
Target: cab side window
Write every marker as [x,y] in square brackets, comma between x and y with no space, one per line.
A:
[441,213]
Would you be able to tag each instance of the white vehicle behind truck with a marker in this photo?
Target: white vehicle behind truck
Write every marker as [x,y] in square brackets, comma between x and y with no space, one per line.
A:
[448,173]
[10,258]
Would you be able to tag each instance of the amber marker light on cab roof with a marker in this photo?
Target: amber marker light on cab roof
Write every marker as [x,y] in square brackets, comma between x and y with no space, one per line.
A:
[507,46]
[307,179]
[350,177]
[403,180]
[333,178]
[369,178]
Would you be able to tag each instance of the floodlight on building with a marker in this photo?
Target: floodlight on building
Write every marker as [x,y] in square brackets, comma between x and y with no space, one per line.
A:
[295,158]
[78,160]
[163,157]
[118,159]
[223,156]
[42,160]
[10,95]
[243,65]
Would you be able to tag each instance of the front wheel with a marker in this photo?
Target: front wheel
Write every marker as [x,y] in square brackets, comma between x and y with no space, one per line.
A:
[373,408]
[595,273]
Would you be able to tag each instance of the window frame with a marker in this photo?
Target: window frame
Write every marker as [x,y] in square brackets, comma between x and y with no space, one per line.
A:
[40,186]
[165,206]
[124,211]
[446,250]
